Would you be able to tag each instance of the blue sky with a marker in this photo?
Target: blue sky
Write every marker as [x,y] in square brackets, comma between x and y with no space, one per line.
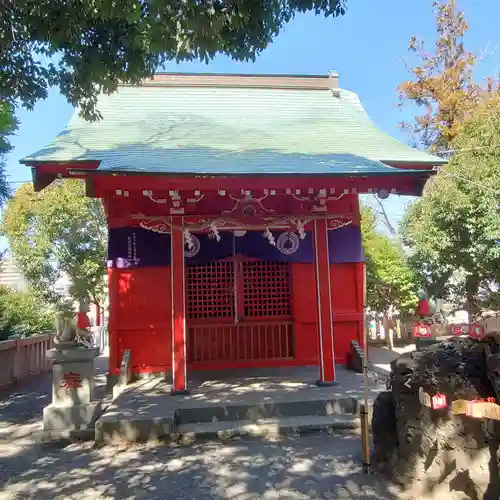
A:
[366,47]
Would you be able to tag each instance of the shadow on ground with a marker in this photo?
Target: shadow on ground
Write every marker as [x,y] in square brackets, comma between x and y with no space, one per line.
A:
[249,388]
[309,467]
[313,466]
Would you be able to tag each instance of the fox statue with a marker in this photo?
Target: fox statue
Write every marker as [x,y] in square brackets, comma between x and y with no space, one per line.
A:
[74,330]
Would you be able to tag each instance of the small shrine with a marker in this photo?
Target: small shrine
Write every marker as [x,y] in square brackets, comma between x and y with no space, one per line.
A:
[233,215]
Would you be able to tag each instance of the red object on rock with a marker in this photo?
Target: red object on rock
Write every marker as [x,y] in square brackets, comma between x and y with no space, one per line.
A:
[439,401]
[476,331]
[420,330]
[423,309]
[458,329]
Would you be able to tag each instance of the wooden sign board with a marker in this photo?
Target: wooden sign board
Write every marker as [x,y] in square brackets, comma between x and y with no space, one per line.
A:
[473,409]
[476,409]
[491,411]
[439,401]
[459,407]
[436,402]
[424,398]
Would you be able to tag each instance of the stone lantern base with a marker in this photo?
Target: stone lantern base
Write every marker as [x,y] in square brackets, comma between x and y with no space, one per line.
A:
[73,407]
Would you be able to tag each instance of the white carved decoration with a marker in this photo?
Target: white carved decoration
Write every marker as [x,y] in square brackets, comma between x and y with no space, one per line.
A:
[193,246]
[248,199]
[188,238]
[215,231]
[270,237]
[164,224]
[301,229]
[288,243]
[159,201]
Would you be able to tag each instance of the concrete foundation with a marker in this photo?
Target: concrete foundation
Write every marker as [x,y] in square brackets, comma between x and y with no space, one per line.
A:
[57,417]
[73,406]
[257,403]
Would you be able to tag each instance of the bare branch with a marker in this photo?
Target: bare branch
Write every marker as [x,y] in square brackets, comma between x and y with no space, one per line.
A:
[385,216]
[488,51]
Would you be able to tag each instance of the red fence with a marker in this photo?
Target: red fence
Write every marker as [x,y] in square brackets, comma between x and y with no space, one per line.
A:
[242,342]
[23,357]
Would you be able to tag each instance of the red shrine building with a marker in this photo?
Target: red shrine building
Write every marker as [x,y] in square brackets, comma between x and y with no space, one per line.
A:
[232,204]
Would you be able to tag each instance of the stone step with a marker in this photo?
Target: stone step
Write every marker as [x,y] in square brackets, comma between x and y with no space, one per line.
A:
[267,427]
[280,410]
[133,429]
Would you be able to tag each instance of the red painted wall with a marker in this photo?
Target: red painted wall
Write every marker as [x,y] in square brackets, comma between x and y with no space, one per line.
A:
[140,315]
[140,318]
[347,300]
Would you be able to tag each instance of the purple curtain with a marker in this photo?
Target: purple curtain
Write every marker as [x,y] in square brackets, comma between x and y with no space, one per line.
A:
[137,247]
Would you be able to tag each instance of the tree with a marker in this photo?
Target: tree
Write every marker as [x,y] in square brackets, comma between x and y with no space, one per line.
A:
[390,281]
[8,126]
[442,83]
[58,232]
[391,285]
[86,46]
[23,313]
[453,231]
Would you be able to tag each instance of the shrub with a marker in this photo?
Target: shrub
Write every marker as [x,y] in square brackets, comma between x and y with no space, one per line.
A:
[23,313]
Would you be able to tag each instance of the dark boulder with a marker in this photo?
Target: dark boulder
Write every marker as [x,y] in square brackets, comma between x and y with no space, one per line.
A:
[385,436]
[432,449]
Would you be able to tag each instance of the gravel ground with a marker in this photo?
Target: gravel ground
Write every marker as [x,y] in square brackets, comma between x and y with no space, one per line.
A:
[310,467]
[314,466]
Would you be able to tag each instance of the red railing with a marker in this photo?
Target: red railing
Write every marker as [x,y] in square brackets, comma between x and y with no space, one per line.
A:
[241,342]
[23,357]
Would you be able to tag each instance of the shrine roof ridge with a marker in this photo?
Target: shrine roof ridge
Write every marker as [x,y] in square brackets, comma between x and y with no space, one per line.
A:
[248,80]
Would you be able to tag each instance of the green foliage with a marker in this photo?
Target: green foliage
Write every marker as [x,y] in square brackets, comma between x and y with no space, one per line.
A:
[389,280]
[58,232]
[87,46]
[8,125]
[23,313]
[453,231]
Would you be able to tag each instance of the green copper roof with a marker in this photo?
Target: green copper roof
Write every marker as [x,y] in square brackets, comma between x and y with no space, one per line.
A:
[231,130]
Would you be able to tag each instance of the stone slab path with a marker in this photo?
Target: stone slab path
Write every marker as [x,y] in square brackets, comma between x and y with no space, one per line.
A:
[381,357]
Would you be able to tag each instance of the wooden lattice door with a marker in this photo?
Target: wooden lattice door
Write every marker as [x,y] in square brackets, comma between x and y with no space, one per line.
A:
[210,292]
[239,311]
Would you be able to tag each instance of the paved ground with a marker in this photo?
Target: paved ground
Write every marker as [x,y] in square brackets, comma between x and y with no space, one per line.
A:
[381,357]
[311,467]
[315,466]
[147,400]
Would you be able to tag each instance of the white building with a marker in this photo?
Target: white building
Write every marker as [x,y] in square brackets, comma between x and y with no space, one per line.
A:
[11,276]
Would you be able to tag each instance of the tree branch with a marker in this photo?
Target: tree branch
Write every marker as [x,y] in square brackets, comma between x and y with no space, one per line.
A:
[386,219]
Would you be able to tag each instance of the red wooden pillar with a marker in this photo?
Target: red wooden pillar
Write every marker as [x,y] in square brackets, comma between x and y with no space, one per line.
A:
[324,296]
[179,371]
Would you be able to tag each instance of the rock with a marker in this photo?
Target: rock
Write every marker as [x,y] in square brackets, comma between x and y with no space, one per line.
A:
[493,361]
[384,429]
[434,449]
